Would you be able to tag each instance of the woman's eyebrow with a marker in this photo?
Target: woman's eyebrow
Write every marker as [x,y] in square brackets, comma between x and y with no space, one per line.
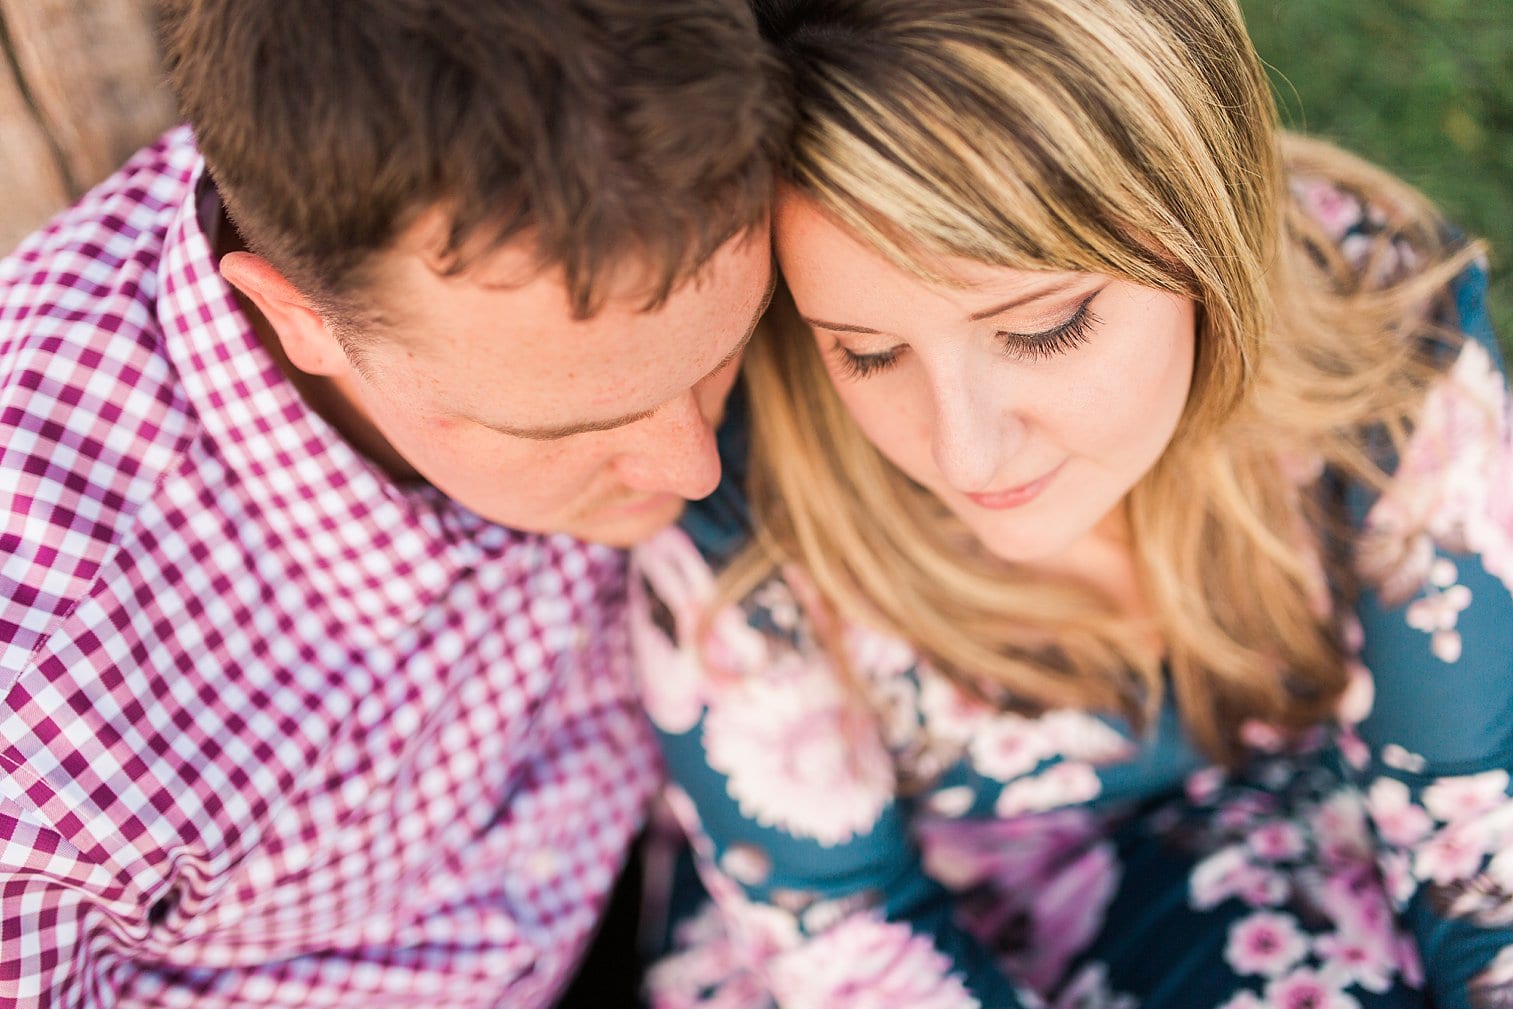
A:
[1027,298]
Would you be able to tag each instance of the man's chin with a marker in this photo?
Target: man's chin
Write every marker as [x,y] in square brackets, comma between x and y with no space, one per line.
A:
[624,526]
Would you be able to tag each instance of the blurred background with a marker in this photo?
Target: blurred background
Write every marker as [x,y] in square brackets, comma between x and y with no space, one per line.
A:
[1424,87]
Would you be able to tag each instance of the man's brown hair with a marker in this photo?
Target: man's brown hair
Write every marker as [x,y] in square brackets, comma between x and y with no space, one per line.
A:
[598,129]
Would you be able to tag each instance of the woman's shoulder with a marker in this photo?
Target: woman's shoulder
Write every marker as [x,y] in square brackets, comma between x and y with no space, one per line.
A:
[1367,230]
[1354,235]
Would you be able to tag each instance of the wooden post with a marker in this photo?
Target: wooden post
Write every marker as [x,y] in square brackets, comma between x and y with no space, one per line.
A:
[81,89]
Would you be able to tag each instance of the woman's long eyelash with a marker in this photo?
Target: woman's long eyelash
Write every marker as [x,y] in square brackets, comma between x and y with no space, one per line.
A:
[862,365]
[1029,346]
[1068,336]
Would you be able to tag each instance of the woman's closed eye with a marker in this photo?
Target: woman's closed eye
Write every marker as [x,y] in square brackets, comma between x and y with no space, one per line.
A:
[1047,343]
[853,365]
[1059,339]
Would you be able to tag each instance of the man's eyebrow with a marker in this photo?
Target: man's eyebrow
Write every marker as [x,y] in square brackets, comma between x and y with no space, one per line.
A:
[987,313]
[564,430]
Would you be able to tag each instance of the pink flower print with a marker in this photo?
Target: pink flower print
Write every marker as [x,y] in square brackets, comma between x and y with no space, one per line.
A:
[953,802]
[1204,784]
[867,963]
[799,753]
[1277,841]
[1354,749]
[1265,943]
[721,951]
[776,597]
[1352,634]
[761,930]
[1340,832]
[1080,736]
[1491,531]
[1038,886]
[1397,877]
[1261,887]
[1409,964]
[1242,812]
[670,678]
[1065,784]
[896,704]
[1009,746]
[676,570]
[823,915]
[1353,899]
[708,970]
[1398,819]
[1492,986]
[1465,796]
[1347,960]
[1335,210]
[1089,989]
[1499,877]
[686,812]
[1451,486]
[746,864]
[1396,757]
[1360,693]
[1437,613]
[1066,915]
[674,678]
[876,656]
[1394,554]
[1307,989]
[1244,1000]
[1217,877]
[1455,853]
[882,662]
[1262,737]
[1009,856]
[951,715]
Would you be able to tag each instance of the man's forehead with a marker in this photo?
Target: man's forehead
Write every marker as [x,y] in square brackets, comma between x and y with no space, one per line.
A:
[513,358]
[636,279]
[608,410]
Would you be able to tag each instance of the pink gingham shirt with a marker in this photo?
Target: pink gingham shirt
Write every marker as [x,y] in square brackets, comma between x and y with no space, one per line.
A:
[273,731]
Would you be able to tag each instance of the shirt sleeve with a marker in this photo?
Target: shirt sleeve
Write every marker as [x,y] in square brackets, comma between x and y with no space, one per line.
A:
[54,947]
[1436,644]
[781,779]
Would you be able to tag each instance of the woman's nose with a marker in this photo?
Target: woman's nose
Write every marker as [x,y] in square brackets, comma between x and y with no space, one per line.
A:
[976,434]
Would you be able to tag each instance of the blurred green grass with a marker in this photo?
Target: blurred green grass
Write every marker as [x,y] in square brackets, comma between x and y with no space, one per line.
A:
[1423,87]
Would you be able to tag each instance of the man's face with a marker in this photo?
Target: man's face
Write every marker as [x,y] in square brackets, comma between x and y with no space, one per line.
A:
[488,387]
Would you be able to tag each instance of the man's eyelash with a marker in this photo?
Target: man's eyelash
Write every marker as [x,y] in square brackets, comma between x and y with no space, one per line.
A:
[1060,339]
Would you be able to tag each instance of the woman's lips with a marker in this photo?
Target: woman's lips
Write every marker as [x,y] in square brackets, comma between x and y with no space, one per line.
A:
[1014,497]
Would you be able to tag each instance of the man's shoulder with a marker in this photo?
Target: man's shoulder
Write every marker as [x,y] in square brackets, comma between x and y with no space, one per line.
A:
[91,414]
[119,221]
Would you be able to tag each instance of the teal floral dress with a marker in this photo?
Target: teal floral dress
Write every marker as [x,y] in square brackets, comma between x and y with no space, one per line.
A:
[928,850]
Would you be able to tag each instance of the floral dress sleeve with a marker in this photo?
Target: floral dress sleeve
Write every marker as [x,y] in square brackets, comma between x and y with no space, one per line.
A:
[785,785]
[1435,746]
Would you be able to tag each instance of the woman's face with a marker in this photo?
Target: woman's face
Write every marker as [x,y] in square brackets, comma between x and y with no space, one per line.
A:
[1028,402]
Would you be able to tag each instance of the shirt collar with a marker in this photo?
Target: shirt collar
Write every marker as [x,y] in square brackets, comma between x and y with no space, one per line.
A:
[375,554]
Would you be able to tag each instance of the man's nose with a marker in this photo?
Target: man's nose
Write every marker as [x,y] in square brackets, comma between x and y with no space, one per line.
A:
[672,451]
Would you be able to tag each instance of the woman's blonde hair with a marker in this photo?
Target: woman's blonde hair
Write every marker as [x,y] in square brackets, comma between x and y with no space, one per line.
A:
[1136,139]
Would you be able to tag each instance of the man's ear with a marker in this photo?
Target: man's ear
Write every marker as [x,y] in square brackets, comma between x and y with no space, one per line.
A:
[304,335]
